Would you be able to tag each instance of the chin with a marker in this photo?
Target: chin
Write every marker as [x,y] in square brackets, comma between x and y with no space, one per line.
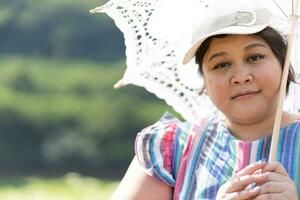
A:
[248,116]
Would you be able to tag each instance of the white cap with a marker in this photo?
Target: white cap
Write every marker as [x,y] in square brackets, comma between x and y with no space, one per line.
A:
[227,17]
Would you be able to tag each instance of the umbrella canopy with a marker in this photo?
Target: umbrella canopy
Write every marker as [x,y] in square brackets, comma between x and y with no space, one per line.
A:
[156,34]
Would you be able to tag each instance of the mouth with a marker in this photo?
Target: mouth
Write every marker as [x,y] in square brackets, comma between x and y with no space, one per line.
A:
[245,94]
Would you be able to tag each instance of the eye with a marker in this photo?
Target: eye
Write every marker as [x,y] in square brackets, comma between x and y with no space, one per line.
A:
[255,58]
[221,65]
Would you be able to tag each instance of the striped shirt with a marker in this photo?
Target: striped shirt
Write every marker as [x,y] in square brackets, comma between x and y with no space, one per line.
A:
[196,159]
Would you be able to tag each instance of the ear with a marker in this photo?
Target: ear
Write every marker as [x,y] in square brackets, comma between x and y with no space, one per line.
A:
[203,90]
[204,83]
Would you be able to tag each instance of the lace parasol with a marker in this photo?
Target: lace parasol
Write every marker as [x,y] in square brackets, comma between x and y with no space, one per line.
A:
[157,33]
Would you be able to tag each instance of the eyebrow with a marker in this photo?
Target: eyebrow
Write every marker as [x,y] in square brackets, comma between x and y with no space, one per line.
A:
[254,45]
[216,55]
[251,46]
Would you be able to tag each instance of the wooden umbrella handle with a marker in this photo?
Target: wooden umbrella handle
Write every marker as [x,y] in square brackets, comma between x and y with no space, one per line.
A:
[282,92]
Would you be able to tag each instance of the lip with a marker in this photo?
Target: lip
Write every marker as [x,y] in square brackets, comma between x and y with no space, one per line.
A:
[245,94]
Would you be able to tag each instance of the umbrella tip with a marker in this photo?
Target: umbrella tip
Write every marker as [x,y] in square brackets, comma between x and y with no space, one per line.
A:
[96,10]
[119,84]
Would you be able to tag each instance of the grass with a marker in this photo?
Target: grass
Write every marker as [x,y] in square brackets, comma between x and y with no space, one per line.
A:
[70,187]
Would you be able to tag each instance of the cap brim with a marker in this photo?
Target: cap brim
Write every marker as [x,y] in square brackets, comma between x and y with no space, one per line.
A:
[228,30]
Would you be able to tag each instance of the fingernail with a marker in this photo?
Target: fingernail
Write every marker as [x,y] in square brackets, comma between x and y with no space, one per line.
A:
[262,161]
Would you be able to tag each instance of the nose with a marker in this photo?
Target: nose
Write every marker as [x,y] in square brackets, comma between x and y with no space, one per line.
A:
[241,75]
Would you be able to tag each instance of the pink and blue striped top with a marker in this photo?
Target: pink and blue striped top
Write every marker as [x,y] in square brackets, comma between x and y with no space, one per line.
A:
[196,159]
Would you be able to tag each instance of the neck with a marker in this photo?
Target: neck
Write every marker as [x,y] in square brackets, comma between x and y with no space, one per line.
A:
[258,129]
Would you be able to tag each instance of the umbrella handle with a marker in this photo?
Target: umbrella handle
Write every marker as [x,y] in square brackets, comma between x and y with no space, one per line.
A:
[282,92]
[295,7]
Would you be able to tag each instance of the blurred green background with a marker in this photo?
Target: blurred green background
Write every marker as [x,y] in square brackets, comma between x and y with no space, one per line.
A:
[65,133]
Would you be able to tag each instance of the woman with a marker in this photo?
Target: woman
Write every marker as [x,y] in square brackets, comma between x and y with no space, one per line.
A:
[223,157]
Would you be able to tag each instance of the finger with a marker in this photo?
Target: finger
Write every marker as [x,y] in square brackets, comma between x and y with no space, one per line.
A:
[271,177]
[272,196]
[283,189]
[251,168]
[275,177]
[239,183]
[272,187]
[244,194]
[275,167]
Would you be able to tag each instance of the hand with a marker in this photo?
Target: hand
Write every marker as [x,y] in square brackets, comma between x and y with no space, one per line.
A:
[277,184]
[238,187]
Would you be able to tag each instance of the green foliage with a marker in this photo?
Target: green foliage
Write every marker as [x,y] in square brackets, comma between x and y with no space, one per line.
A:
[65,115]
[57,28]
[58,112]
[69,187]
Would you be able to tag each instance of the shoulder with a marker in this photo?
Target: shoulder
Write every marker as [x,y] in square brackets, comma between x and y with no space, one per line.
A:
[155,147]
[166,129]
[289,119]
[159,147]
[169,130]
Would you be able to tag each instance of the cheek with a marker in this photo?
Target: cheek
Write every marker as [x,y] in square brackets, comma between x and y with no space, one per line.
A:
[217,89]
[270,78]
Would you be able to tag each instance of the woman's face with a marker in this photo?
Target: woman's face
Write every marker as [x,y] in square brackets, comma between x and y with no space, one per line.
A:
[242,77]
